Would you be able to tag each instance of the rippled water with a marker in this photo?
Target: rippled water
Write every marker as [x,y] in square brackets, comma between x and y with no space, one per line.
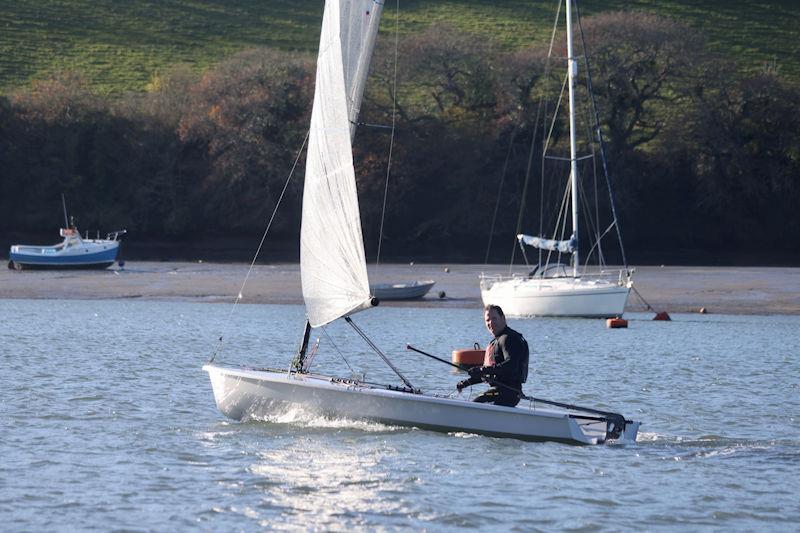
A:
[109,423]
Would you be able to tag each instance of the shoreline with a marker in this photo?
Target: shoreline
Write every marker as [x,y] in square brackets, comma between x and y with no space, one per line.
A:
[675,289]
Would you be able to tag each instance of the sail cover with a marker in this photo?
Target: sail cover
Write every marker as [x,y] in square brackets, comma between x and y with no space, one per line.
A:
[566,247]
[332,261]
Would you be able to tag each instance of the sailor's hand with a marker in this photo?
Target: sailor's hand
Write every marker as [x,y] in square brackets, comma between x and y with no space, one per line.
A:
[475,371]
[486,372]
[461,385]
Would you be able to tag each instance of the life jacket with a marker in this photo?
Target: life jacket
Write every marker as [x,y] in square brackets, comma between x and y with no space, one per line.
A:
[522,370]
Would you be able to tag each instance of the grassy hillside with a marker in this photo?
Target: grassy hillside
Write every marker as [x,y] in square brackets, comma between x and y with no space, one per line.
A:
[119,45]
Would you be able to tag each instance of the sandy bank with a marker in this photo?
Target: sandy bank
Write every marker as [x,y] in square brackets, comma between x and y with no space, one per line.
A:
[730,290]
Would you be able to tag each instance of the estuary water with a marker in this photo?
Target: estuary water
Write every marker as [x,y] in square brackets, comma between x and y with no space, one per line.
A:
[109,423]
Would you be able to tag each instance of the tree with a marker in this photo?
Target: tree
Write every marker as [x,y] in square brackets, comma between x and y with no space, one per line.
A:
[247,119]
[746,134]
[641,63]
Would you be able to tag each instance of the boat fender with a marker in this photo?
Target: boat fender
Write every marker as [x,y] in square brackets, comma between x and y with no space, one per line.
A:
[615,323]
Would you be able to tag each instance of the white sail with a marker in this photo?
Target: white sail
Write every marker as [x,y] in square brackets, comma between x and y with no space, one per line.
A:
[332,261]
[359,21]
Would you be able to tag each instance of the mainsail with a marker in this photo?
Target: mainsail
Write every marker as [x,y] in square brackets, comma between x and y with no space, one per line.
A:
[332,262]
[566,247]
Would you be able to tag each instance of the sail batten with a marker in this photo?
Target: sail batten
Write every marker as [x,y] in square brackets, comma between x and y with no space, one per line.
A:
[332,260]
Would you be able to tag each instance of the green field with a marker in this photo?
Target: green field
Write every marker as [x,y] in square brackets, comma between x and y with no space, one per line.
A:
[121,44]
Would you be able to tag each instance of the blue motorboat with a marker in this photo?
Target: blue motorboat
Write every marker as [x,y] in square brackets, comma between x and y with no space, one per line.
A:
[73,252]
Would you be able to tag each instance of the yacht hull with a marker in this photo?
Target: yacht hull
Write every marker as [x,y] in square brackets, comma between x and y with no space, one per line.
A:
[558,297]
[243,393]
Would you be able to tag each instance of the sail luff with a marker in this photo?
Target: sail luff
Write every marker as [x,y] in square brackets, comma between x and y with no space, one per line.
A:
[332,260]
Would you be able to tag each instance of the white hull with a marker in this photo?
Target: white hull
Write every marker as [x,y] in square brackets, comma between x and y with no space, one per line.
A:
[401,291]
[565,297]
[242,393]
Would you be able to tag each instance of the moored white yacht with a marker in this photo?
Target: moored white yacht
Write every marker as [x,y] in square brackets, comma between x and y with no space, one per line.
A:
[554,289]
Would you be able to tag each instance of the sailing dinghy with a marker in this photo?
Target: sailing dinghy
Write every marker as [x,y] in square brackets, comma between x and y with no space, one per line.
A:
[335,284]
[554,289]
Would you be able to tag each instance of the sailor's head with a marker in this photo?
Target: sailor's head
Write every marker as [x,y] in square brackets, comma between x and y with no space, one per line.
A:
[494,318]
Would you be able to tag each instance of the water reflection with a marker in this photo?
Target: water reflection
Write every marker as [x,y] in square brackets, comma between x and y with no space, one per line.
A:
[325,479]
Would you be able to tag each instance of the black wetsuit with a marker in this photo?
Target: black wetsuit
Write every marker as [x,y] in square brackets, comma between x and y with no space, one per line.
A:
[509,352]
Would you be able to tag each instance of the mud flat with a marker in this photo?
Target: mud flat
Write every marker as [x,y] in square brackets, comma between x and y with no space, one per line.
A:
[727,290]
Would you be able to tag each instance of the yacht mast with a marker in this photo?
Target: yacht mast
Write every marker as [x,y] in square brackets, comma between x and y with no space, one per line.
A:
[572,72]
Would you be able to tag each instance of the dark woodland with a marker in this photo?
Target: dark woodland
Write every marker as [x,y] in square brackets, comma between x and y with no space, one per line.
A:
[704,159]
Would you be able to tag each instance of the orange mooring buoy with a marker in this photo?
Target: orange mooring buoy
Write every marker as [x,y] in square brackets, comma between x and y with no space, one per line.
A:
[616,323]
[662,315]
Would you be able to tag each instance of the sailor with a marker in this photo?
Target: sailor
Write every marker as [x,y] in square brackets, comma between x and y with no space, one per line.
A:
[505,365]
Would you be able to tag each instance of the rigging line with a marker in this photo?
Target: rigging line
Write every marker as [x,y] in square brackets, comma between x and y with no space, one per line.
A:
[592,222]
[524,255]
[391,140]
[562,211]
[325,331]
[594,227]
[555,117]
[261,244]
[381,354]
[545,148]
[600,256]
[542,165]
[541,105]
[648,306]
[499,191]
[562,208]
[565,209]
[593,219]
[600,137]
[568,159]
[370,125]
[586,264]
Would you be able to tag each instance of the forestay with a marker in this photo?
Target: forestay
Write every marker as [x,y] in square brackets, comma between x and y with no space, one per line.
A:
[332,261]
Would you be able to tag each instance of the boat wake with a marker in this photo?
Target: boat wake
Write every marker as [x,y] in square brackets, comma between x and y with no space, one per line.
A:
[720,447]
[297,416]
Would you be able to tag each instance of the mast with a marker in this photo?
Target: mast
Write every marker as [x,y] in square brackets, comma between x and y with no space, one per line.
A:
[64,205]
[572,72]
